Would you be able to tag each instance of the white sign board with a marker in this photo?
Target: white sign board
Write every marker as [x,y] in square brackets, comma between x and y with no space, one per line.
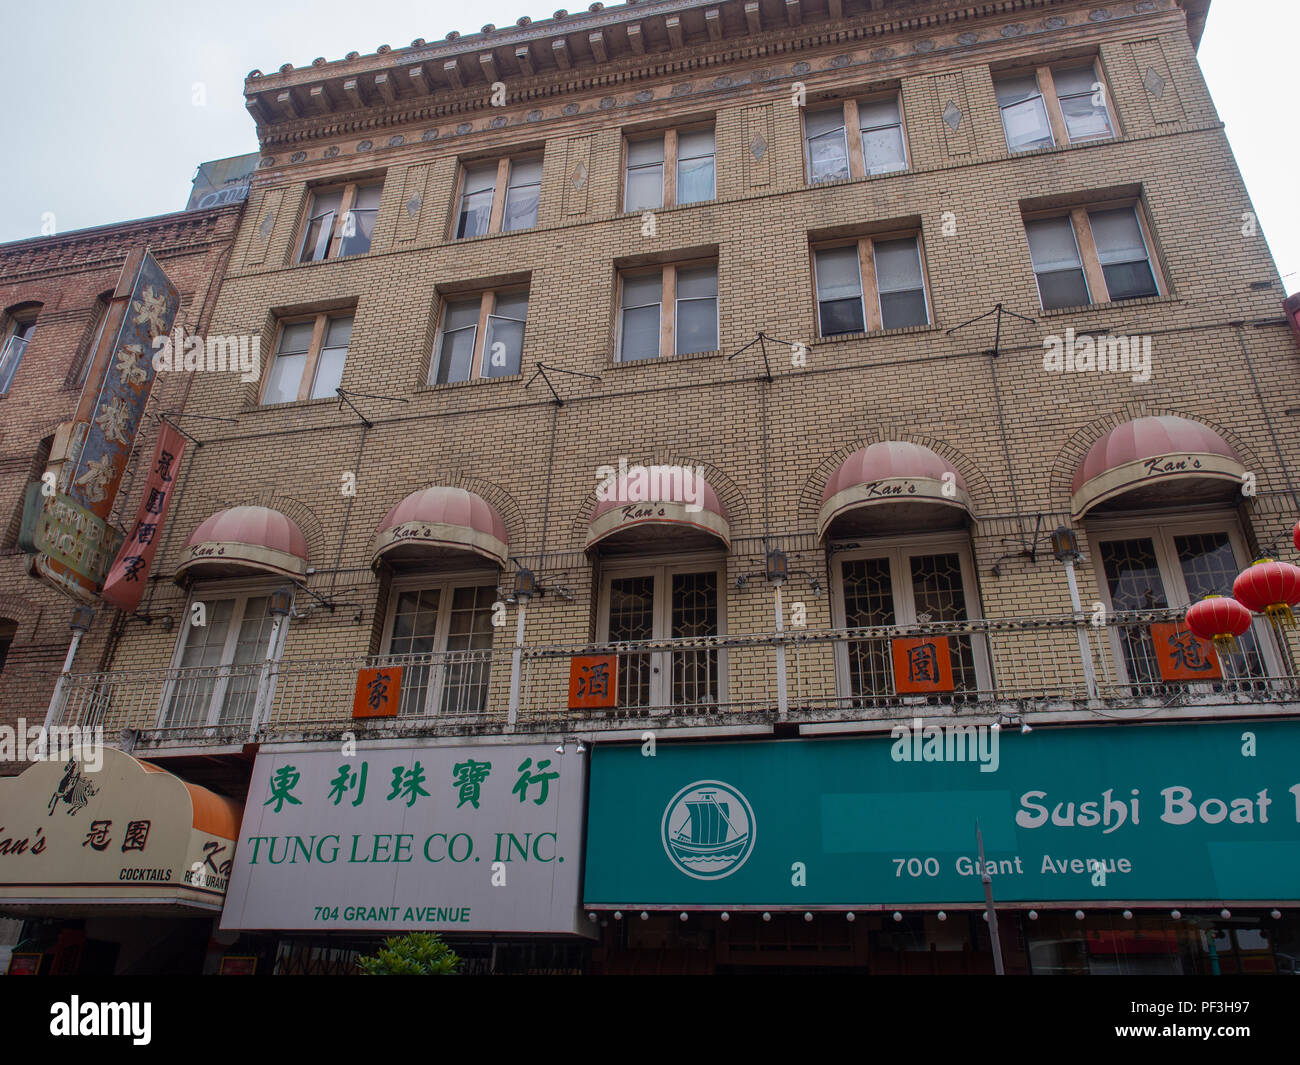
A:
[452,839]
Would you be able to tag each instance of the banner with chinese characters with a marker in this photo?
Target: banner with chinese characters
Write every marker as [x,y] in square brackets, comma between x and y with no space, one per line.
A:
[108,419]
[126,580]
[467,839]
[106,827]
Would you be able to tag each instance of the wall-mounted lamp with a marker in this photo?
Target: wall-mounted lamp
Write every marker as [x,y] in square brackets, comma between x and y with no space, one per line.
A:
[778,566]
[82,618]
[1065,544]
[525,584]
[281,603]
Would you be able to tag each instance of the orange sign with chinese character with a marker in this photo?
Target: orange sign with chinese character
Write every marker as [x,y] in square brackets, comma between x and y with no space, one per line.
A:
[593,682]
[922,664]
[379,692]
[1182,655]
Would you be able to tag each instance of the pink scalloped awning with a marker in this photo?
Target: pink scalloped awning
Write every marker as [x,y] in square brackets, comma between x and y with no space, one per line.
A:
[893,486]
[1155,462]
[441,523]
[667,504]
[245,541]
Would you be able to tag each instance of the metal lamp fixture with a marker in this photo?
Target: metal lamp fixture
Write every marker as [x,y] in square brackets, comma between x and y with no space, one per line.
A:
[82,618]
[1065,544]
[281,602]
[525,584]
[778,566]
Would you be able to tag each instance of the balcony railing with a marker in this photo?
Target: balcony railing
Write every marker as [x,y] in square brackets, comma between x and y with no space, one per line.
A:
[1021,666]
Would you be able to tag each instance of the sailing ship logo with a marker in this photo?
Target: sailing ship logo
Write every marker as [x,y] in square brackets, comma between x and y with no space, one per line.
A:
[708,830]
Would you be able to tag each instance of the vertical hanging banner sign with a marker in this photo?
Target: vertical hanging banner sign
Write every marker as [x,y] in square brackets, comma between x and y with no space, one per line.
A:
[74,540]
[126,580]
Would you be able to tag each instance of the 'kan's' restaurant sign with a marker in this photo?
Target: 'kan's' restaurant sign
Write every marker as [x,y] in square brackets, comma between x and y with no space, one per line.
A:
[1177,813]
[128,834]
[383,838]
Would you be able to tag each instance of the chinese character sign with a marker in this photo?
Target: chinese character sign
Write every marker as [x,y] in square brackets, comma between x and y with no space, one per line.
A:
[1182,655]
[126,580]
[593,682]
[378,692]
[922,664]
[460,838]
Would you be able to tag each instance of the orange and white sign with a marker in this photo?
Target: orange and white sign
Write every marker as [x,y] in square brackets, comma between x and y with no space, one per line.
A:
[129,833]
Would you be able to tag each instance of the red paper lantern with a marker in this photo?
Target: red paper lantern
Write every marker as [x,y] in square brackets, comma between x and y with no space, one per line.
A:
[1219,618]
[1271,588]
[1296,536]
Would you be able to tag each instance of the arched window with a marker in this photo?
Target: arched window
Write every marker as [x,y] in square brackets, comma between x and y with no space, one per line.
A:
[18,326]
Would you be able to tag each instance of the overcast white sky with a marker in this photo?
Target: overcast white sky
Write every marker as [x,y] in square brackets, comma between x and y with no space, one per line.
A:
[98,97]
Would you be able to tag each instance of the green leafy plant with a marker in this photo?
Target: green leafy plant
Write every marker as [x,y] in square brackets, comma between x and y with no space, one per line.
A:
[415,954]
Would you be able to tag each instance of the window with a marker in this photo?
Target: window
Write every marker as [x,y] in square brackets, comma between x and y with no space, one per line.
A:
[100,320]
[661,602]
[845,305]
[8,633]
[894,584]
[218,665]
[309,359]
[483,211]
[442,635]
[668,169]
[480,336]
[1158,566]
[1062,104]
[13,350]
[340,222]
[878,146]
[670,310]
[1091,255]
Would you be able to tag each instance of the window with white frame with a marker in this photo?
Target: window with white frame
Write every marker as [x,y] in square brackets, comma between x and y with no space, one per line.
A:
[661,601]
[218,665]
[1061,104]
[14,348]
[1091,255]
[309,358]
[1159,565]
[892,297]
[500,196]
[669,310]
[340,221]
[855,138]
[672,168]
[480,336]
[440,632]
[894,583]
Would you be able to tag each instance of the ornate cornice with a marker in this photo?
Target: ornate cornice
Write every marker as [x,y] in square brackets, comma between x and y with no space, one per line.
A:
[631,42]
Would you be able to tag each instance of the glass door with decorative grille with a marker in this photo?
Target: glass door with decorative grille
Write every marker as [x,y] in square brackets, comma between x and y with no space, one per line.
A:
[1170,566]
[662,602]
[890,585]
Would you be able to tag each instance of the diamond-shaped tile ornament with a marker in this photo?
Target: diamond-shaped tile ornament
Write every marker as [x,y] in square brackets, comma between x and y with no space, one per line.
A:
[952,115]
[268,223]
[413,206]
[1154,82]
[579,176]
[758,146]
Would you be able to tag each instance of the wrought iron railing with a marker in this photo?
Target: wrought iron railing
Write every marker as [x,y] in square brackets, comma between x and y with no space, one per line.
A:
[1027,665]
